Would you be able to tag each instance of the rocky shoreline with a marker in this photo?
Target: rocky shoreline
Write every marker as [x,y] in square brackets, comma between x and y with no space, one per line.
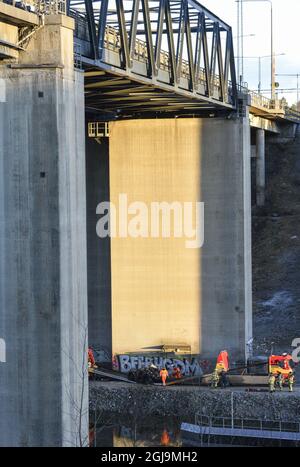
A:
[131,399]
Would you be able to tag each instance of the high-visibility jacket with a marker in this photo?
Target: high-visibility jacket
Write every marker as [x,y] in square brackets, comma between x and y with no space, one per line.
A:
[163,374]
[91,358]
[223,361]
[176,373]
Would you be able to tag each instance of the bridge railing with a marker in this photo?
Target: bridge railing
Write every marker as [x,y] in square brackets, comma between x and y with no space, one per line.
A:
[258,100]
[196,38]
[50,7]
[247,423]
[278,105]
[40,7]
[112,41]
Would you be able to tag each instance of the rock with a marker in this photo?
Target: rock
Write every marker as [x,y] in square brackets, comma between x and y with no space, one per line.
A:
[187,401]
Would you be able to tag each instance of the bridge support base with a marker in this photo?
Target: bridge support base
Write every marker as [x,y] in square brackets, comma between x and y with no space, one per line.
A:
[43,319]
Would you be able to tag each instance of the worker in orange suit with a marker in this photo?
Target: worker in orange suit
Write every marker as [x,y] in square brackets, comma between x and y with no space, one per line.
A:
[163,374]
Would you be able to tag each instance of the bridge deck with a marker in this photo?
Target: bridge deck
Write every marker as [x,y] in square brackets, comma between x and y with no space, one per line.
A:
[195,74]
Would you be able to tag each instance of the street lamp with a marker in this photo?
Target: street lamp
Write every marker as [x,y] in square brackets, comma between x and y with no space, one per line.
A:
[272,44]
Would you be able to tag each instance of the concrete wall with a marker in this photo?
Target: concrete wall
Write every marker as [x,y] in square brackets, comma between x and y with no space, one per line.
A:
[43,288]
[8,34]
[162,292]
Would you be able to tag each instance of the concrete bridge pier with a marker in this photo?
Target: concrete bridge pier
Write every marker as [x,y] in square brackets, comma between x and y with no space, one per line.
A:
[260,167]
[162,291]
[43,286]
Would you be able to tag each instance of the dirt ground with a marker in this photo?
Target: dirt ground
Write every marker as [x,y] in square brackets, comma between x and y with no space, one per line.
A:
[276,252]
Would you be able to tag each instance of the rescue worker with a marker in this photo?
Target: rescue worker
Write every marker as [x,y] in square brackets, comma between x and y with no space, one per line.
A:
[163,374]
[272,381]
[291,381]
[224,379]
[286,361]
[223,361]
[215,378]
[91,359]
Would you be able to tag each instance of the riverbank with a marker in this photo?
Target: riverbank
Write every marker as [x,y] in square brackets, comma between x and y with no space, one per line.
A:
[186,401]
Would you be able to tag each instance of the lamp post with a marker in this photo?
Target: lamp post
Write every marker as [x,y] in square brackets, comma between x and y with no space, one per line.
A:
[295,75]
[238,37]
[272,43]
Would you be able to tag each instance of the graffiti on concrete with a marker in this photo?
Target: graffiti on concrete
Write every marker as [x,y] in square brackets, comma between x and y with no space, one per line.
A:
[188,367]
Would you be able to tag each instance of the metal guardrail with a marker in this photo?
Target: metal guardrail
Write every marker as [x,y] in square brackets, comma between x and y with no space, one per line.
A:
[98,129]
[263,102]
[50,7]
[247,424]
[112,42]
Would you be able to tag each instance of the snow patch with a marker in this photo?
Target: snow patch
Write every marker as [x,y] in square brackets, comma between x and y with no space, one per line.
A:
[279,300]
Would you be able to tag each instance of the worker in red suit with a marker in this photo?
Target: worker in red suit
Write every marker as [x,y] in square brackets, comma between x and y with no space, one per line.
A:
[176,373]
[91,360]
[286,361]
[223,361]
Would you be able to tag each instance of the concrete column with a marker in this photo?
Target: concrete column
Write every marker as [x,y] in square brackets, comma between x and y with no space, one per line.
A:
[163,292]
[98,250]
[43,290]
[260,167]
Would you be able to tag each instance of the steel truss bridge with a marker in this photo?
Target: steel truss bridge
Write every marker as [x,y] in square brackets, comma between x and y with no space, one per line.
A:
[154,57]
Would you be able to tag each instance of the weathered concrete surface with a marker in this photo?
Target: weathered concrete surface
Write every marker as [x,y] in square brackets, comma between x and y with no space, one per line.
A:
[264,124]
[8,41]
[163,292]
[186,401]
[43,290]
[98,250]
[260,168]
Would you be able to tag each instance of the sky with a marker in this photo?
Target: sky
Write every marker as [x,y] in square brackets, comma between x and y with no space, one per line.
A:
[257,21]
